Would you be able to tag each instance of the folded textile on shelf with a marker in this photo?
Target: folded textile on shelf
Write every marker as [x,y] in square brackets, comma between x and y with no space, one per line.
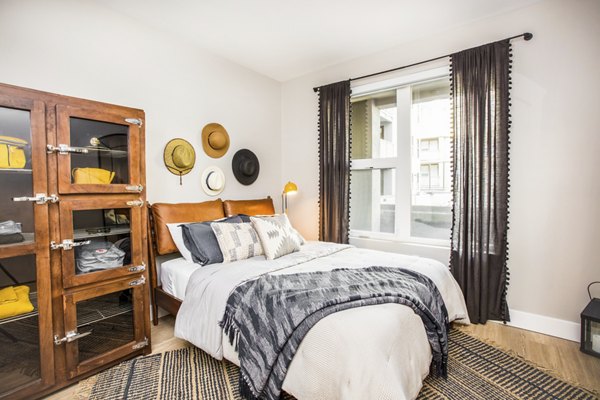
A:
[8,295]
[11,238]
[21,306]
[87,176]
[9,227]
[98,256]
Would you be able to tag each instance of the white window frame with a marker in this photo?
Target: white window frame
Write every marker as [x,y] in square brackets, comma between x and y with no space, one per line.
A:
[402,162]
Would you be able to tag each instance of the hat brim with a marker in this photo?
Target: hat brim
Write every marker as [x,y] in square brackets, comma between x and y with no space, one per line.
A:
[205,187]
[206,131]
[168,157]
[239,158]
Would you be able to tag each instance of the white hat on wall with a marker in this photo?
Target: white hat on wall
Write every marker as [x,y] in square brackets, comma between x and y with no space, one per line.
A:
[213,181]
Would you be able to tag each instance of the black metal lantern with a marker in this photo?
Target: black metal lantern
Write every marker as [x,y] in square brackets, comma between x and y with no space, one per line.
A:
[590,326]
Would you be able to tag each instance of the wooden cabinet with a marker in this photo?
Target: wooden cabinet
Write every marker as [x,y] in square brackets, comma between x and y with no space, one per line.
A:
[73,245]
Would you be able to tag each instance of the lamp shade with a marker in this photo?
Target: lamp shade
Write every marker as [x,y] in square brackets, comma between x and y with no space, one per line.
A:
[290,188]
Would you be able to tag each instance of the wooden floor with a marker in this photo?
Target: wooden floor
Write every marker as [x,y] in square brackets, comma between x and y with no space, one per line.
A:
[560,356]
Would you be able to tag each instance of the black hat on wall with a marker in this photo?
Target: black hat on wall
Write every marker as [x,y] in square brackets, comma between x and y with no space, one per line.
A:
[245,166]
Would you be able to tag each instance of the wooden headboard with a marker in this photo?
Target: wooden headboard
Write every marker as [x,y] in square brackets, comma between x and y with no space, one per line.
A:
[167,213]
[160,240]
[249,207]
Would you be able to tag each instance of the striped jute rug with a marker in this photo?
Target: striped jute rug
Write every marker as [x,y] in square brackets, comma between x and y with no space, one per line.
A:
[476,371]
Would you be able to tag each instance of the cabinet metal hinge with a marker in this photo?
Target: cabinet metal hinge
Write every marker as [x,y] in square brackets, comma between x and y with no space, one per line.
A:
[65,149]
[67,244]
[136,203]
[71,336]
[134,188]
[140,345]
[138,282]
[135,121]
[138,268]
[39,198]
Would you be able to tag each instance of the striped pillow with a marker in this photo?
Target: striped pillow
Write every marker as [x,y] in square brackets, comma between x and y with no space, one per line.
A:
[237,241]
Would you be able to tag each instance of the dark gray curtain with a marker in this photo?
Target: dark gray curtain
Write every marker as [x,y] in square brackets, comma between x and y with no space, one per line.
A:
[334,162]
[480,95]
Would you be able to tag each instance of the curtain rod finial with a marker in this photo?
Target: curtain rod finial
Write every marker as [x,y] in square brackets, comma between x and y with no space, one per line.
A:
[528,36]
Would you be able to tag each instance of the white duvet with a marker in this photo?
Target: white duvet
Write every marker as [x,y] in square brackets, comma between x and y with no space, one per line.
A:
[375,352]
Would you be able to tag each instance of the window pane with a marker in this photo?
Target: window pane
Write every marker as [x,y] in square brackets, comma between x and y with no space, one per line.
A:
[108,231]
[373,200]
[107,155]
[374,126]
[431,215]
[109,318]
[16,178]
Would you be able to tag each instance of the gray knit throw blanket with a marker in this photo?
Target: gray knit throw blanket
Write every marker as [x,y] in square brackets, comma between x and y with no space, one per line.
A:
[267,318]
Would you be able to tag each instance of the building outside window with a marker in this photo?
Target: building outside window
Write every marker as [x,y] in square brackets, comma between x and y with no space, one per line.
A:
[401,148]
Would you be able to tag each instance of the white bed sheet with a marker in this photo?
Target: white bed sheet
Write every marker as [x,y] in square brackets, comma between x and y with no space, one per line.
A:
[175,275]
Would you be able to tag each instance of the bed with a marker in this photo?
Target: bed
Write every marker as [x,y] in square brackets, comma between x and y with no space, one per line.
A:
[372,352]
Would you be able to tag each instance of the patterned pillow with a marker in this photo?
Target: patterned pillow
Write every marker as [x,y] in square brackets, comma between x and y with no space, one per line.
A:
[277,236]
[237,241]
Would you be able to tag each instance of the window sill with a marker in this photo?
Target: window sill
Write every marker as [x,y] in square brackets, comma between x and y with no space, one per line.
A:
[391,238]
[437,252]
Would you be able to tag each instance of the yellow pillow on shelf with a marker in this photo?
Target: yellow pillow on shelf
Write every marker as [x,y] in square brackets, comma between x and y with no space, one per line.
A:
[88,176]
[8,295]
[21,306]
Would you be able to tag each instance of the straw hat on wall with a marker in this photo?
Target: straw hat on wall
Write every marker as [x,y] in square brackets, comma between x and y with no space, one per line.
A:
[215,140]
[179,157]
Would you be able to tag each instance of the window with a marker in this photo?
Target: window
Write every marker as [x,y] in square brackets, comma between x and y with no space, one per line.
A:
[401,181]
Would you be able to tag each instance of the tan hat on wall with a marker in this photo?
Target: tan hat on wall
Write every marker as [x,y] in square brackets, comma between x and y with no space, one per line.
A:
[179,157]
[215,140]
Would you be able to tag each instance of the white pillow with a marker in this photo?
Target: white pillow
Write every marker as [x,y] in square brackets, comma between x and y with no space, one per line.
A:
[299,238]
[237,241]
[277,236]
[177,236]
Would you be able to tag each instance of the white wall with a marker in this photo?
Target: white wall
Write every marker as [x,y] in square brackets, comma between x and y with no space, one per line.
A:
[82,49]
[555,188]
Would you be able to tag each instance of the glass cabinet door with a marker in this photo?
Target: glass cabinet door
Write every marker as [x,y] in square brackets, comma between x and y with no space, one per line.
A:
[98,152]
[103,324]
[25,301]
[100,239]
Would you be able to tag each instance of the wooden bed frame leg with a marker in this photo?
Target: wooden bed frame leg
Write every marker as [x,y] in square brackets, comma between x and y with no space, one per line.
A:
[152,258]
[154,312]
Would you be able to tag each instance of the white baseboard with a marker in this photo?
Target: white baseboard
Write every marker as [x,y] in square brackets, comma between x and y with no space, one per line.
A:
[546,325]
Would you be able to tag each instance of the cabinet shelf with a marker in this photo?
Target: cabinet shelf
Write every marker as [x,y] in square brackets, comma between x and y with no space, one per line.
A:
[100,150]
[94,312]
[19,249]
[87,314]
[16,170]
[114,230]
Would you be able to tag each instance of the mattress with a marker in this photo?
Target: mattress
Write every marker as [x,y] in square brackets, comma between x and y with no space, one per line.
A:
[375,352]
[175,275]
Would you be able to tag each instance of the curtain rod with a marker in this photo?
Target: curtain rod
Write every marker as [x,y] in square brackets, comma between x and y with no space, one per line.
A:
[527,36]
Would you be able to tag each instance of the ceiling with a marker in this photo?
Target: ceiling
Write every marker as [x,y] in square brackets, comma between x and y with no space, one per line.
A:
[284,39]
